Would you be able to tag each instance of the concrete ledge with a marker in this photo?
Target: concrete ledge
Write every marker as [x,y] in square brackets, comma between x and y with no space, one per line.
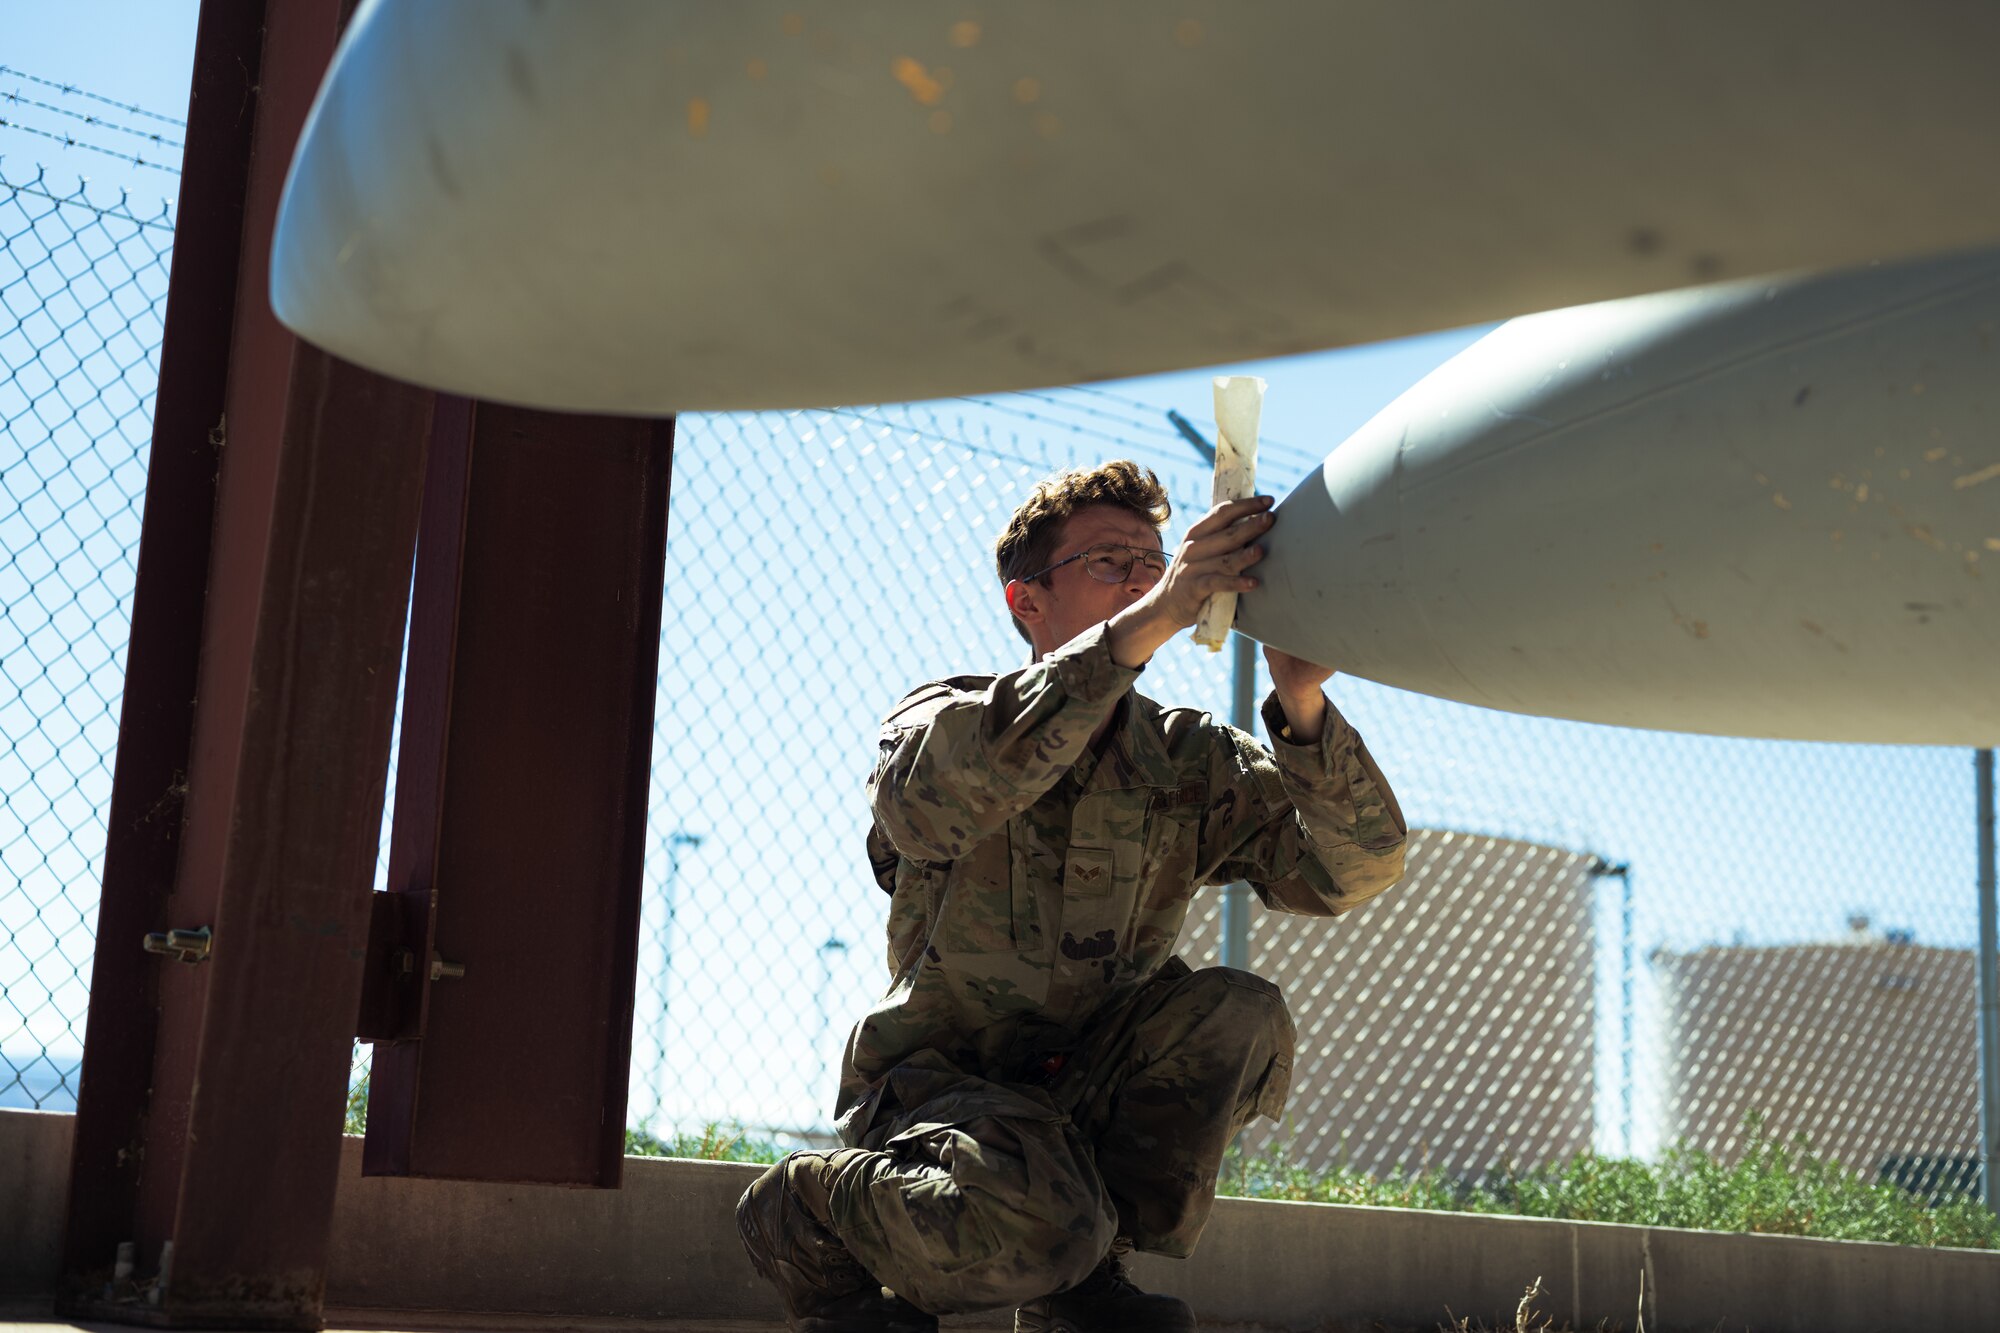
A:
[664,1249]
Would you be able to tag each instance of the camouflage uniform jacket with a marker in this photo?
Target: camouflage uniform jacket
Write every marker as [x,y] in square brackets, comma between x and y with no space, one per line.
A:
[1036,882]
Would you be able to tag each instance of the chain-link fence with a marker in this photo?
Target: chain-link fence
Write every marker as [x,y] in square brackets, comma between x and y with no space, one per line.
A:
[83,284]
[1608,938]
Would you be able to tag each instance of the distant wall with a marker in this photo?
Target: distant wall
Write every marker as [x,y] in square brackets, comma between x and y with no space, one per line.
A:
[1449,1022]
[1870,1048]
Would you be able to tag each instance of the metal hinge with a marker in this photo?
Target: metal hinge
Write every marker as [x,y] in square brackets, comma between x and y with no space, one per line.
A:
[183,946]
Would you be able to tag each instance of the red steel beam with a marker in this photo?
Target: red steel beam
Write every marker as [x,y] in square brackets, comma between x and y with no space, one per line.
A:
[261,684]
[156,732]
[521,796]
[396,984]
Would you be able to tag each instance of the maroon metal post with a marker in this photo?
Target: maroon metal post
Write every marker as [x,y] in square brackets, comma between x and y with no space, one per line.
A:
[281,516]
[504,1013]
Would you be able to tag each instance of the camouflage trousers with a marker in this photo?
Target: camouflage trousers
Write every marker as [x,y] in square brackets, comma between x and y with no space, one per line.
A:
[978,1195]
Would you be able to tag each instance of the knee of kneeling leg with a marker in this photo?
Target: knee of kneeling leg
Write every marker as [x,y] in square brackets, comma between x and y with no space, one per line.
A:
[1233,986]
[1250,1001]
[1041,1259]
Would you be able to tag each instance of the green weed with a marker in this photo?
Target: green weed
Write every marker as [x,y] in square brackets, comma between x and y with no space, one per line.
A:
[1779,1187]
[357,1107]
[712,1144]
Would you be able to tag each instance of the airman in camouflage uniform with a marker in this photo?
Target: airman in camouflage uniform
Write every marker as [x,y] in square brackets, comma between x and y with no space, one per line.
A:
[1045,1085]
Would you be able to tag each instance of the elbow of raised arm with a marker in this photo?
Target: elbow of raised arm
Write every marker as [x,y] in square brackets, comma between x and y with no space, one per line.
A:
[914,839]
[1344,878]
[919,828]
[1371,874]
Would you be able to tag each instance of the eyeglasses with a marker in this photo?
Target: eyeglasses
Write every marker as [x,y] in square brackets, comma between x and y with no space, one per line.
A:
[1111,562]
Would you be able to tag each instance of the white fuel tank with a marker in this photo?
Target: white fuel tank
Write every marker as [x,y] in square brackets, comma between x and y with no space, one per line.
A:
[1768,508]
[662,205]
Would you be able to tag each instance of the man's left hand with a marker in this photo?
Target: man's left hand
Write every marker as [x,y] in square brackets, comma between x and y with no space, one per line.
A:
[1298,683]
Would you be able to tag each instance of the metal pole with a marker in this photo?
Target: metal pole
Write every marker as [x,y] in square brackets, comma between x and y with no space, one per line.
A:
[1627,972]
[678,839]
[1236,898]
[1628,967]
[1989,990]
[834,944]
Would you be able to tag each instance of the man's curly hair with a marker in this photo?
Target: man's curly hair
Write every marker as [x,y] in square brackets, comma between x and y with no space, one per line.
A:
[1030,539]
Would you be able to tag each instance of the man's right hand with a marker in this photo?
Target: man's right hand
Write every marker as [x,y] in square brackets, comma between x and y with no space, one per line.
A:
[1211,559]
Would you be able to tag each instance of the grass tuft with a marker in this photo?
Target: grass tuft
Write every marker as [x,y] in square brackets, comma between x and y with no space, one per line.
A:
[713,1144]
[1779,1187]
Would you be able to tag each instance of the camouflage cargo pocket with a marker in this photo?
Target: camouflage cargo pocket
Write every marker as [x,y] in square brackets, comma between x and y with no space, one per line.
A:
[978,913]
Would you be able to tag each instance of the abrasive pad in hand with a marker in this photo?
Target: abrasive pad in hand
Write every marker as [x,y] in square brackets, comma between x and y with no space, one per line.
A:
[1239,401]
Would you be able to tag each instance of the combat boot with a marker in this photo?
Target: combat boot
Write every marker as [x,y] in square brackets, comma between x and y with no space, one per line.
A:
[1106,1302]
[784,1220]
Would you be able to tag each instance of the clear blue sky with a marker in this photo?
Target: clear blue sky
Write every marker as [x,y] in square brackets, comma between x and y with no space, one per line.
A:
[135,51]
[1728,839]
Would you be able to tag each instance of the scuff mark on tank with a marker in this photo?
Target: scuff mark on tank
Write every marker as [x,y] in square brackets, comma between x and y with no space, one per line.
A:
[1695,629]
[440,168]
[1815,629]
[1971,479]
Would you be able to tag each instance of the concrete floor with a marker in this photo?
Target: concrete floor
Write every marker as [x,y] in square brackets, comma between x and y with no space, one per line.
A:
[39,1317]
[35,1318]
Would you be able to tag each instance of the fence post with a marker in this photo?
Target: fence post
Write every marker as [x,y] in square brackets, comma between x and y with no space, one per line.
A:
[1242,715]
[1627,969]
[1989,990]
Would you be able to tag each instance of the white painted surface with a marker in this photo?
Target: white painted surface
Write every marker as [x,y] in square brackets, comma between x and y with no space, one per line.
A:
[663,205]
[1759,509]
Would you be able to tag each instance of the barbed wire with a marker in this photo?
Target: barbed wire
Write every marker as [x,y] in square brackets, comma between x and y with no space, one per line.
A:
[72,90]
[1168,448]
[152,136]
[71,141]
[1307,458]
[931,435]
[1147,417]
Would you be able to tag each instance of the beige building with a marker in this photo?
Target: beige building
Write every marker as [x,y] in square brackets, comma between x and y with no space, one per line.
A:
[1448,1023]
[1866,1045]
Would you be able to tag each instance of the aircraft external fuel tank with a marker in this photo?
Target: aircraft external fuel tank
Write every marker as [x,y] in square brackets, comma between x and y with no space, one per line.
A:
[1766,508]
[645,206]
